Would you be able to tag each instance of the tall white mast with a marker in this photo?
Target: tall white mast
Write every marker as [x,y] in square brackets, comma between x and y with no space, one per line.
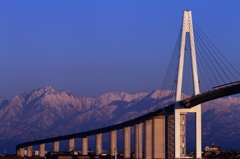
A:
[180,112]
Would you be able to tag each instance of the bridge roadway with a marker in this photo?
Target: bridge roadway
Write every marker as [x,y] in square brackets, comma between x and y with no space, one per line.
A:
[192,101]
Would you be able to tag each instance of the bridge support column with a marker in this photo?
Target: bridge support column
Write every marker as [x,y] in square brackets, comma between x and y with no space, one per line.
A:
[56,146]
[70,144]
[170,136]
[127,140]
[180,134]
[158,137]
[113,142]
[138,140]
[21,152]
[42,150]
[29,151]
[148,139]
[98,139]
[183,134]
[85,145]
[198,132]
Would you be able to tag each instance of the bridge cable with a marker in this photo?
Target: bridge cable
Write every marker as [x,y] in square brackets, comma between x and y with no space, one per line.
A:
[210,58]
[220,54]
[214,51]
[168,87]
[205,62]
[202,69]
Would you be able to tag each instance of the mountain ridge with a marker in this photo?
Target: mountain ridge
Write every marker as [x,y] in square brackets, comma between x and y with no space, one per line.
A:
[48,112]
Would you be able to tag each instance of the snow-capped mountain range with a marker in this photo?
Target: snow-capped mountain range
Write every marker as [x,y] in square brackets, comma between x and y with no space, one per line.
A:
[48,112]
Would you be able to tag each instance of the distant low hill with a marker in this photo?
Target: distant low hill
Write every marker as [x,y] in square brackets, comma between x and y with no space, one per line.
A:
[47,112]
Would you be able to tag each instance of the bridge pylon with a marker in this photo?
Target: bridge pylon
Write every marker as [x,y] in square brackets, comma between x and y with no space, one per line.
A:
[179,111]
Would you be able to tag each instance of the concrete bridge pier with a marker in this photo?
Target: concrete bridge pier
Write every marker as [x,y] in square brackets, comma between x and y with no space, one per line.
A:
[113,142]
[170,136]
[42,150]
[29,151]
[85,145]
[71,144]
[138,140]
[158,137]
[148,139]
[98,139]
[56,146]
[21,151]
[126,143]
[183,134]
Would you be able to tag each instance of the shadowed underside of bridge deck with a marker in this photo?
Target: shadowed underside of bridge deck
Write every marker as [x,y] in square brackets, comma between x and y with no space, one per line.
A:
[222,91]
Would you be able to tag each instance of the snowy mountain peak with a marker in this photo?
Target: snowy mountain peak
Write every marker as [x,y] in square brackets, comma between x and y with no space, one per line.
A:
[41,92]
[49,89]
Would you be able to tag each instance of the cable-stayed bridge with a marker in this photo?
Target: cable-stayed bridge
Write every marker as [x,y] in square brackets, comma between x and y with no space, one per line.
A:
[165,127]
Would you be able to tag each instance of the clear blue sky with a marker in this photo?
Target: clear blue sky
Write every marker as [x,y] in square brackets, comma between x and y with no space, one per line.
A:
[93,47]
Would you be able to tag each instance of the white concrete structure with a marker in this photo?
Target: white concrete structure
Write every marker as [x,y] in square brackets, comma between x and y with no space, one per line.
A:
[113,142]
[42,150]
[29,151]
[21,152]
[158,137]
[138,140]
[98,139]
[85,145]
[148,139]
[71,144]
[126,142]
[180,126]
[56,146]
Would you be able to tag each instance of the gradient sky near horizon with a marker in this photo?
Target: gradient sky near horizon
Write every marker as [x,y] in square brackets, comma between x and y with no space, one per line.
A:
[90,47]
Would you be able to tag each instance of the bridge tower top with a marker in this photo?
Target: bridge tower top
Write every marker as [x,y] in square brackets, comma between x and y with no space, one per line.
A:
[187,27]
